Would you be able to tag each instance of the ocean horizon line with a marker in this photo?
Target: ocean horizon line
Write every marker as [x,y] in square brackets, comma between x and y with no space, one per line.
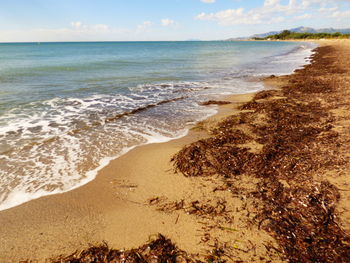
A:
[110,41]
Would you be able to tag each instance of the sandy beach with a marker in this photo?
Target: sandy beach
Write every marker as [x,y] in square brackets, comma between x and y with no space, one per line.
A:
[140,195]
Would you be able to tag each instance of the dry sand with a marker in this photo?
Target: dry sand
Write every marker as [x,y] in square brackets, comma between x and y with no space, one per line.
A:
[115,206]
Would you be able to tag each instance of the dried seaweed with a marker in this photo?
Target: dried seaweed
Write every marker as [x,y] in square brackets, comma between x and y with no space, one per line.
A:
[207,208]
[298,142]
[159,250]
[265,94]
[215,102]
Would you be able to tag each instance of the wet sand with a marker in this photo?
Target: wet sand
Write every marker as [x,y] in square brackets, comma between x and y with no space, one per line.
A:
[112,208]
[116,206]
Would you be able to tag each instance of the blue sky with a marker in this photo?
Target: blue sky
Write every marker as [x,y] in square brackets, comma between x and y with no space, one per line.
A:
[89,20]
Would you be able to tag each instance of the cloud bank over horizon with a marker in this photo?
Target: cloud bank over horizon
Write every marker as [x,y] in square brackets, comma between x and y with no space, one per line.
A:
[49,20]
[274,11]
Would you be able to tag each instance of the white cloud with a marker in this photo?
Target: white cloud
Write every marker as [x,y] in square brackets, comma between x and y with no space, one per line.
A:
[341,14]
[304,16]
[76,25]
[85,28]
[271,12]
[80,31]
[208,1]
[329,9]
[275,6]
[100,28]
[271,2]
[167,22]
[76,31]
[144,26]
[241,17]
[232,17]
[274,11]
[308,3]
[276,20]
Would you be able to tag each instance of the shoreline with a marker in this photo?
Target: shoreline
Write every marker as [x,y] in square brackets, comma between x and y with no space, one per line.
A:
[117,206]
[19,195]
[88,204]
[92,174]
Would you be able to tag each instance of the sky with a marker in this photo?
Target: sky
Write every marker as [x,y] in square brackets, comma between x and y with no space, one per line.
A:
[155,20]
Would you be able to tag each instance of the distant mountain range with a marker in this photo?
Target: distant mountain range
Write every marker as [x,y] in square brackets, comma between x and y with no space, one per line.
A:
[298,30]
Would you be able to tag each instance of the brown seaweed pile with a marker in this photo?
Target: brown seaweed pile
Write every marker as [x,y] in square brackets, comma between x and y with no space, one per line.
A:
[299,142]
[160,250]
[215,102]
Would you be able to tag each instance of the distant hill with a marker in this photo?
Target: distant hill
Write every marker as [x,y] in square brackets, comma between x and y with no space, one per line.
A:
[298,30]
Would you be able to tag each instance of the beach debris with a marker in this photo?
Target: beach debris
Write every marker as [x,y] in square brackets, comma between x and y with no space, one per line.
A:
[203,208]
[265,94]
[228,229]
[215,102]
[140,109]
[159,250]
[206,157]
[299,142]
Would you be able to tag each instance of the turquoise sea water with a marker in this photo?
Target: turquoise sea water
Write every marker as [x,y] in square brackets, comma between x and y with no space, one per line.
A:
[63,105]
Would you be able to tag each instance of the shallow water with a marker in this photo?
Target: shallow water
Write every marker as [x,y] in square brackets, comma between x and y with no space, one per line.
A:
[67,109]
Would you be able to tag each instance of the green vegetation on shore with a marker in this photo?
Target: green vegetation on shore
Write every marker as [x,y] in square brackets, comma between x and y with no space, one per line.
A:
[286,34]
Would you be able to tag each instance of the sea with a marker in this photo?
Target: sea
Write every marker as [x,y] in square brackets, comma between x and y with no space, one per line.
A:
[68,109]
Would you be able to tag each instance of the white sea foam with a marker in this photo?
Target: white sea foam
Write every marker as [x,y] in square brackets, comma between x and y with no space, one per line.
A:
[60,144]
[19,195]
